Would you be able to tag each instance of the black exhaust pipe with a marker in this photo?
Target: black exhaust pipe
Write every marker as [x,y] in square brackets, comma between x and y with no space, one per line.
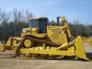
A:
[58,20]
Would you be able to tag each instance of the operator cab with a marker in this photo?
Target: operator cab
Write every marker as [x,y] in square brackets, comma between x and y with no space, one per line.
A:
[40,23]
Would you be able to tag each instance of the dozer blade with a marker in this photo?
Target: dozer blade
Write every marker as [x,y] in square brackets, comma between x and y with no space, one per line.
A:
[80,50]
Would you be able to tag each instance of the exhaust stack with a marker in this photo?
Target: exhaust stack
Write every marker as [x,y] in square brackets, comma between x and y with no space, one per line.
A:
[58,20]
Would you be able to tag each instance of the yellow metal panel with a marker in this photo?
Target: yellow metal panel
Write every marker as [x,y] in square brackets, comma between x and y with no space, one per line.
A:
[80,50]
[57,34]
[69,52]
[1,47]
[66,25]
[8,43]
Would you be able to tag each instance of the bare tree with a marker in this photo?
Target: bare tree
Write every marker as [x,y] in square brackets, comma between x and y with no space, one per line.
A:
[21,16]
[4,16]
[29,14]
[4,19]
[18,16]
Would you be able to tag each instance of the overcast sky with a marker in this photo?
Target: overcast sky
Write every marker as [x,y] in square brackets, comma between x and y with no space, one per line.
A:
[78,10]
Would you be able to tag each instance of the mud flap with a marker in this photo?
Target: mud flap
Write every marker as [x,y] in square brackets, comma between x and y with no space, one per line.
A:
[80,50]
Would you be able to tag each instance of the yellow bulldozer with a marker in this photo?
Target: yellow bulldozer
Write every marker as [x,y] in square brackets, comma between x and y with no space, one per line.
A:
[43,40]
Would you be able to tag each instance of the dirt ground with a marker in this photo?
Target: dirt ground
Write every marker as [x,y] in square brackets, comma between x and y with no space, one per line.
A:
[7,61]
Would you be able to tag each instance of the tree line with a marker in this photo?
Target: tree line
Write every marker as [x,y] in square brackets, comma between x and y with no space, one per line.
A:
[12,23]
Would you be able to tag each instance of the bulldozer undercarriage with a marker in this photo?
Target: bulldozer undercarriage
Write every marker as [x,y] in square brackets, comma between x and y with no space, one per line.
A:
[73,49]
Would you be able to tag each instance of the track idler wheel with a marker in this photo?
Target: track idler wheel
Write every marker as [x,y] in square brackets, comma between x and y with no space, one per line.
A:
[27,43]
